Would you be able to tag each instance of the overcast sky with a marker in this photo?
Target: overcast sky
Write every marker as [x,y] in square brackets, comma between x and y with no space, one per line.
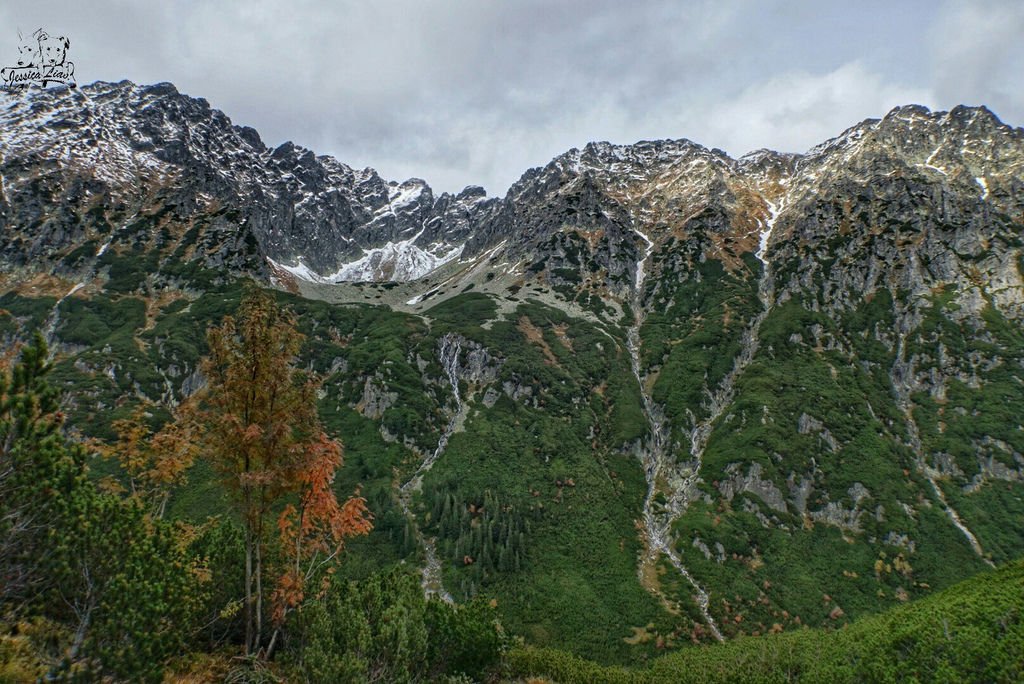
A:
[476,92]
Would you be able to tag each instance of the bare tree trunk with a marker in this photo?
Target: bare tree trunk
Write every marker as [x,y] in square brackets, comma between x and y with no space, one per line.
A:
[80,633]
[259,596]
[84,613]
[273,642]
[248,589]
[163,505]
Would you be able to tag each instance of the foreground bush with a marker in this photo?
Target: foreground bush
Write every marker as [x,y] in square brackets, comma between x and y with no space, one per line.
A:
[382,629]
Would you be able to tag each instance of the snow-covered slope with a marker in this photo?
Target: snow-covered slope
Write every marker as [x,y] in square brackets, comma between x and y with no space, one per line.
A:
[395,261]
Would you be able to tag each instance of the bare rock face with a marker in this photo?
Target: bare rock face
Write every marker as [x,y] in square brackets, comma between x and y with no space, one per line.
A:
[130,151]
[478,366]
[908,201]
[809,425]
[753,483]
[375,400]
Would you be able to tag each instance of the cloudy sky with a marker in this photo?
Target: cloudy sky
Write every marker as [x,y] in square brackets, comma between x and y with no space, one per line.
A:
[475,92]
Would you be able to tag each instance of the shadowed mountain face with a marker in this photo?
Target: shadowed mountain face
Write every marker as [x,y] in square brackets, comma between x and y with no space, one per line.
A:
[654,394]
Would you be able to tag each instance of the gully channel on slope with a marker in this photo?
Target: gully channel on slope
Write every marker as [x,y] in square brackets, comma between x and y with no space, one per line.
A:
[657,462]
[678,483]
[53,320]
[902,371]
[449,349]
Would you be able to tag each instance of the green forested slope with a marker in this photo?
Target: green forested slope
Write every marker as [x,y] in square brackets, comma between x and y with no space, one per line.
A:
[971,632]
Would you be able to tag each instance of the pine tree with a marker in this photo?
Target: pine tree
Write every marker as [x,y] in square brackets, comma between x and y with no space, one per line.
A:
[381,629]
[30,456]
[117,584]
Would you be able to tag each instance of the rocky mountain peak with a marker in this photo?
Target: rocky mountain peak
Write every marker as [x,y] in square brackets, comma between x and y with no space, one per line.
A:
[119,149]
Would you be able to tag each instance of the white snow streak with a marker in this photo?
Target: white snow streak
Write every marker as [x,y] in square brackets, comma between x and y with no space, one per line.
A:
[928,162]
[773,213]
[398,261]
[640,264]
[980,180]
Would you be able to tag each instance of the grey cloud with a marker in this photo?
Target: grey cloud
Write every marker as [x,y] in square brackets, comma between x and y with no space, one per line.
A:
[463,92]
[978,50]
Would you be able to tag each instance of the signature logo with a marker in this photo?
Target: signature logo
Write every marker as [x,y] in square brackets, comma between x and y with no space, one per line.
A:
[42,59]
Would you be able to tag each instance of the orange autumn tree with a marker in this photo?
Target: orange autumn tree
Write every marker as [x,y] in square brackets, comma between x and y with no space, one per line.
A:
[153,463]
[313,533]
[263,433]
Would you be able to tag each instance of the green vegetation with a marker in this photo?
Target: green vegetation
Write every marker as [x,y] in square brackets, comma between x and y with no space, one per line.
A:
[93,613]
[547,462]
[486,535]
[99,586]
[20,316]
[382,629]
[799,567]
[973,631]
[693,333]
[973,429]
[534,502]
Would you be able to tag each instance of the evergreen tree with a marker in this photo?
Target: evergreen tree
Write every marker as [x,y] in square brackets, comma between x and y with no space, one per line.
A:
[117,585]
[382,629]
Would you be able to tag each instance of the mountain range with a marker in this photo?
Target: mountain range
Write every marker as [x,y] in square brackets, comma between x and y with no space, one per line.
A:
[652,395]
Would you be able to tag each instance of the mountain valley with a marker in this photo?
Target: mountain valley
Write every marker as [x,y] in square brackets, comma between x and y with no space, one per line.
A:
[653,396]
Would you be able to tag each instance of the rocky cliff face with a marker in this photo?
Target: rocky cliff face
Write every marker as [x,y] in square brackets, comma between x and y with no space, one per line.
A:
[79,164]
[928,196]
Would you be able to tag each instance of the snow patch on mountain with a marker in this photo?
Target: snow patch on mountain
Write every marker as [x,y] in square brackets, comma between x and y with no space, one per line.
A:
[766,231]
[406,194]
[396,261]
[300,271]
